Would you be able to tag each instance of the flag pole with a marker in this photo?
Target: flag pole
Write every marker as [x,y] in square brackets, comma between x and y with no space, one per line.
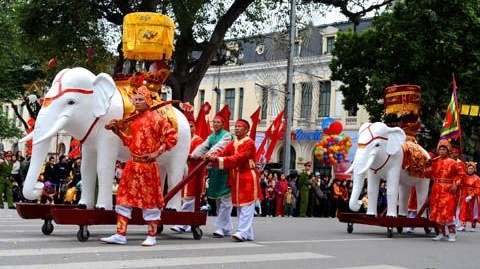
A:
[457,111]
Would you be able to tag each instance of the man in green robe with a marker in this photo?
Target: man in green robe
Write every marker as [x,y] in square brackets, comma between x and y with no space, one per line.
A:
[217,188]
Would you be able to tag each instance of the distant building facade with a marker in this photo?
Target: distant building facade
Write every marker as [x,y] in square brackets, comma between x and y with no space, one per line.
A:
[255,75]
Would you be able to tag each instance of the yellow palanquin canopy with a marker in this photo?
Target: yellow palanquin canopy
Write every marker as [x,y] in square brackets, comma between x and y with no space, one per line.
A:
[147,36]
[403,99]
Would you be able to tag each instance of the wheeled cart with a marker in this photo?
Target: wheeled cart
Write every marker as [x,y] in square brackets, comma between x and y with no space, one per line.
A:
[74,215]
[389,222]
[41,211]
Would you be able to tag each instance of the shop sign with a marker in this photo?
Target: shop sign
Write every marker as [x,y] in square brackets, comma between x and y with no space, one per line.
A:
[304,135]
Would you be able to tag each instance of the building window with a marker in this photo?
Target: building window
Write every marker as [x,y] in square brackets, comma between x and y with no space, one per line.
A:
[293,157]
[306,106]
[330,44]
[230,100]
[240,103]
[324,100]
[202,97]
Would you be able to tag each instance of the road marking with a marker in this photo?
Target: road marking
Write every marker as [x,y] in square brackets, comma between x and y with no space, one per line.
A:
[106,248]
[323,240]
[381,266]
[188,261]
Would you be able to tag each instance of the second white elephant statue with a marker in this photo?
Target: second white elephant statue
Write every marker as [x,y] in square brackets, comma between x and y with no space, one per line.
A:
[81,104]
[379,156]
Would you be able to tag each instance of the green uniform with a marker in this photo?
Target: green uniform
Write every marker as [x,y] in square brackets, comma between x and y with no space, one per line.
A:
[303,182]
[6,184]
[217,179]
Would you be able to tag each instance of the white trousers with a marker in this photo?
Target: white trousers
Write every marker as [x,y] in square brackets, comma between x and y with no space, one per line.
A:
[148,214]
[245,221]
[224,215]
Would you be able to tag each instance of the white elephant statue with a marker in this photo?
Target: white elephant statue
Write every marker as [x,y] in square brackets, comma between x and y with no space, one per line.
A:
[380,155]
[81,103]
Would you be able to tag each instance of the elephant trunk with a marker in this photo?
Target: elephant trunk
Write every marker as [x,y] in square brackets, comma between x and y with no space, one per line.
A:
[358,180]
[45,127]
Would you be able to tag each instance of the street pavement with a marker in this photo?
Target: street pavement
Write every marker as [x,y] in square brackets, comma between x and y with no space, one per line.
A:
[279,243]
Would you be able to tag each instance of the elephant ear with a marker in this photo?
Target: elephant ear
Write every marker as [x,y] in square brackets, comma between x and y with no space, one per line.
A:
[396,139]
[103,89]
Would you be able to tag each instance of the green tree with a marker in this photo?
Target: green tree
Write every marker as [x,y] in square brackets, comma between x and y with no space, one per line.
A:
[66,29]
[418,42]
[8,129]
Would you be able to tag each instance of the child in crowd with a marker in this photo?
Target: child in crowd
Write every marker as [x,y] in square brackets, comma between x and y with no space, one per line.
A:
[48,194]
[289,202]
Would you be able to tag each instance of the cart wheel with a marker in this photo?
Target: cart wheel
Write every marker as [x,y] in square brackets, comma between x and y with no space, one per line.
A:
[389,232]
[427,230]
[399,230]
[159,228]
[83,234]
[47,227]
[349,228]
[197,232]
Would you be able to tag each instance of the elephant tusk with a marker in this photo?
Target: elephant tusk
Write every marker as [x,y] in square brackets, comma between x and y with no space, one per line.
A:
[26,138]
[350,169]
[57,127]
[370,161]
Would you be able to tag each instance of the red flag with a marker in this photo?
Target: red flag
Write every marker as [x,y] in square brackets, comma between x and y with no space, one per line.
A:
[255,117]
[272,134]
[278,123]
[202,127]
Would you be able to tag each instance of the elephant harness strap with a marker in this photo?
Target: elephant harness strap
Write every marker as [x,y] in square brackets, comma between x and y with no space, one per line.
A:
[373,138]
[60,91]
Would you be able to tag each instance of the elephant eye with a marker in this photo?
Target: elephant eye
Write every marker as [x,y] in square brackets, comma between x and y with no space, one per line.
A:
[377,145]
[71,102]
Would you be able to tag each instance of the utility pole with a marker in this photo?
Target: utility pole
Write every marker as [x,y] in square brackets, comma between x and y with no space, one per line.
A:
[289,95]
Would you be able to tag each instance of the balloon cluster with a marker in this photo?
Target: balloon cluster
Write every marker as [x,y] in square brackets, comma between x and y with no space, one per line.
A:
[334,146]
[331,126]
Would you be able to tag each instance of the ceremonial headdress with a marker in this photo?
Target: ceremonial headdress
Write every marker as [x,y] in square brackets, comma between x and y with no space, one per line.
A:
[243,123]
[444,143]
[472,164]
[146,93]
[224,116]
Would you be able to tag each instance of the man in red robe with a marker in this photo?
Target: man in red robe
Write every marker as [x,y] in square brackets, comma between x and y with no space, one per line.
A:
[192,186]
[151,135]
[446,174]
[239,158]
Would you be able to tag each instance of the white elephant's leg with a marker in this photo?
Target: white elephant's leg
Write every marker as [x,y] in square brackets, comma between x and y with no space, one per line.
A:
[107,157]
[175,175]
[89,176]
[392,194]
[373,185]
[403,196]
[422,188]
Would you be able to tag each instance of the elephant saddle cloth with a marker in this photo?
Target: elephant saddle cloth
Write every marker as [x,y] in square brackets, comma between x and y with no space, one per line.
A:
[413,159]
[129,109]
